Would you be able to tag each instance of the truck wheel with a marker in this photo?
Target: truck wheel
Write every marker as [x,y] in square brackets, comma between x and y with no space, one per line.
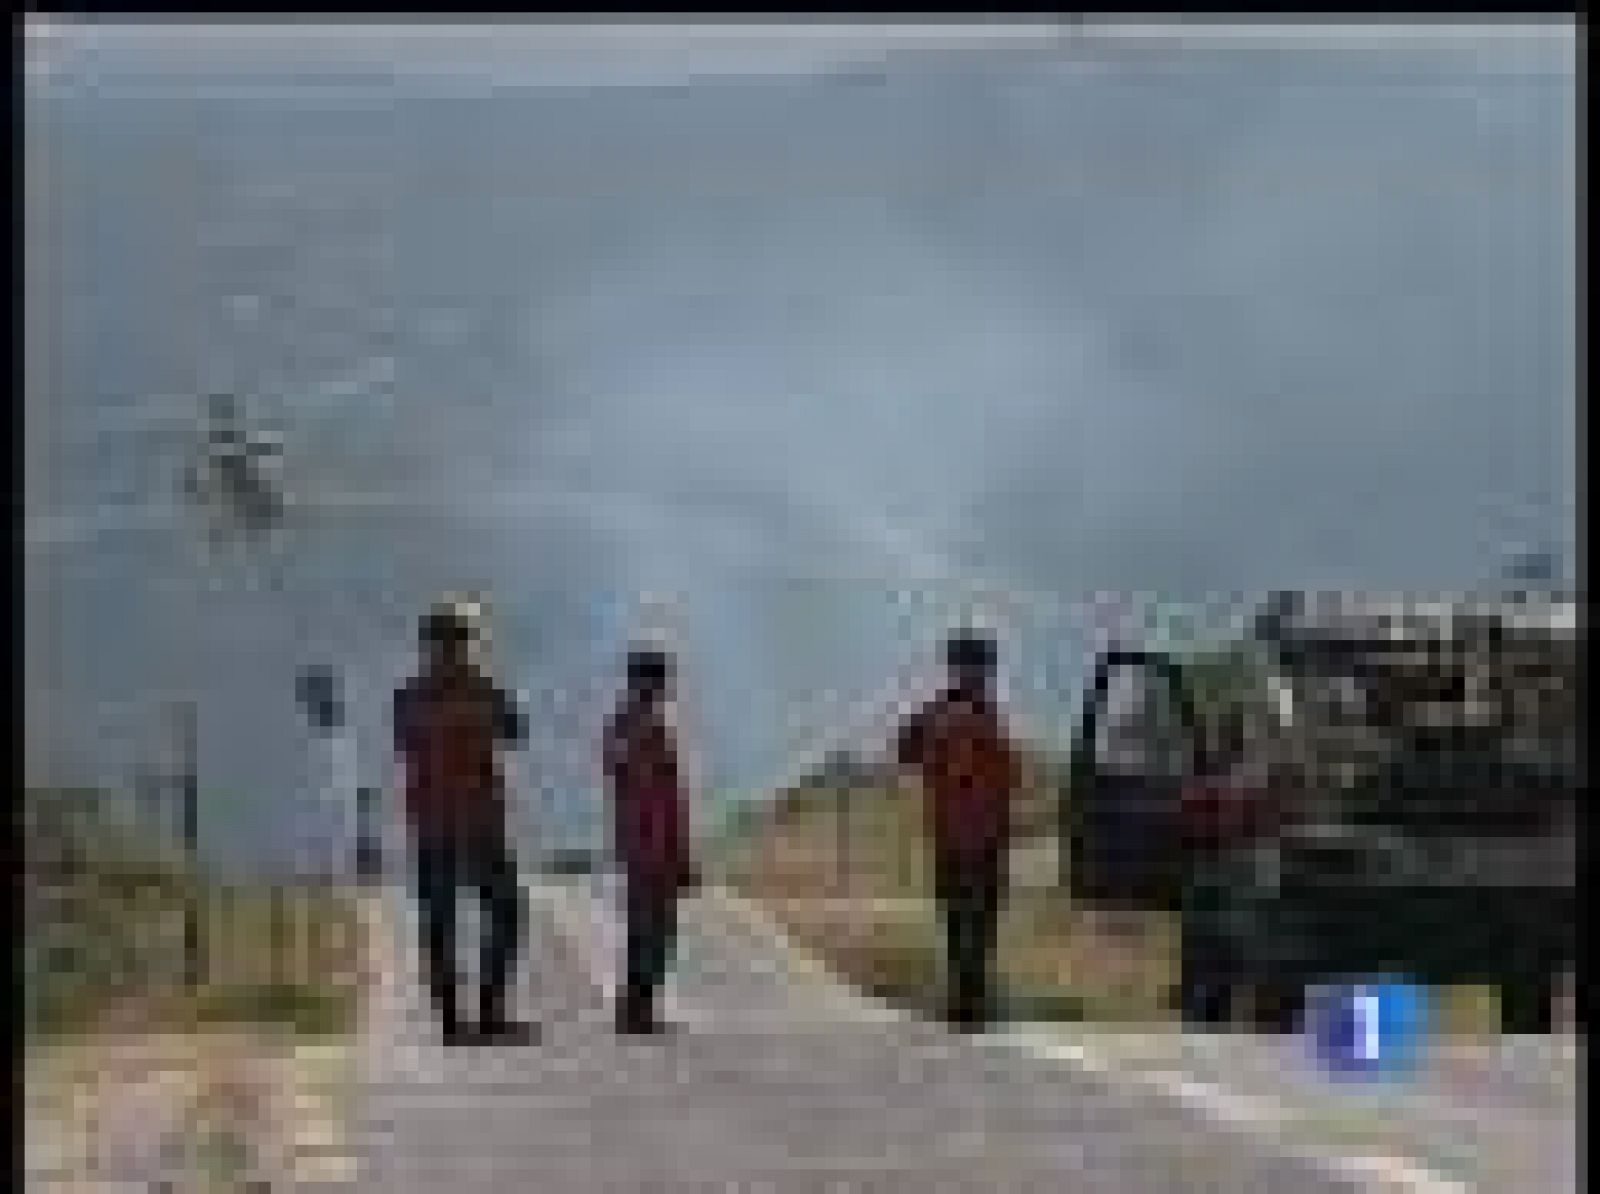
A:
[1527,1006]
[1206,1006]
[1205,994]
[1279,1006]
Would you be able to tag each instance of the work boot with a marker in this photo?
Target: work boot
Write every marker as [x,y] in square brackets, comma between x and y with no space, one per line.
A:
[636,1016]
[965,1014]
[495,1025]
[453,1030]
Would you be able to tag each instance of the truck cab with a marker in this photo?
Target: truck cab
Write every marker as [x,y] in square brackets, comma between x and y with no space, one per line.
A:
[1391,792]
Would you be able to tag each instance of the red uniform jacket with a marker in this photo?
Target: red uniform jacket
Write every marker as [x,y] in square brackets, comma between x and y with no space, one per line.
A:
[449,732]
[650,812]
[969,771]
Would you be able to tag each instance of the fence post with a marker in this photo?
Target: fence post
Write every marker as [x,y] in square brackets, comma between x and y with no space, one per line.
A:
[275,932]
[842,829]
[369,862]
[188,734]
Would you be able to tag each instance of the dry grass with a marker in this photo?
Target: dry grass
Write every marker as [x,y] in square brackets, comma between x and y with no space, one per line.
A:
[105,915]
[883,935]
[286,957]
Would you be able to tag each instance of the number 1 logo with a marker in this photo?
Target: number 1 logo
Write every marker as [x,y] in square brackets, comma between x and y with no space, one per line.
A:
[1368,1028]
[1368,1021]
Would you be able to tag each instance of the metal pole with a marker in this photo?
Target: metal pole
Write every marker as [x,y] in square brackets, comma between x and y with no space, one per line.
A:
[322,698]
[188,732]
[842,822]
[147,787]
[276,932]
[368,858]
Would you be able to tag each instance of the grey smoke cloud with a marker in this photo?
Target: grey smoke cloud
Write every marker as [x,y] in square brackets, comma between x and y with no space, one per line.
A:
[809,358]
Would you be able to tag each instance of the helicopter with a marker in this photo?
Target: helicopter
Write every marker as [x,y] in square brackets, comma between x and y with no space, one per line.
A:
[237,476]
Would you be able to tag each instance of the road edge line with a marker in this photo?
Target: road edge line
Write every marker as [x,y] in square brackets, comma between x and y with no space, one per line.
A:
[1241,1113]
[851,1001]
[560,900]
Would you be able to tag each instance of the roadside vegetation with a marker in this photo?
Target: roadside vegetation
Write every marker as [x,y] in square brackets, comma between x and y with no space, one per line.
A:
[873,921]
[241,1080]
[104,934]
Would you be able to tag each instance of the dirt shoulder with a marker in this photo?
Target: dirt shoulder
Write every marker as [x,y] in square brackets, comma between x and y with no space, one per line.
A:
[204,1110]
[873,919]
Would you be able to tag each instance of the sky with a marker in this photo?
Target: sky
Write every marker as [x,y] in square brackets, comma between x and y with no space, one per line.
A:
[798,337]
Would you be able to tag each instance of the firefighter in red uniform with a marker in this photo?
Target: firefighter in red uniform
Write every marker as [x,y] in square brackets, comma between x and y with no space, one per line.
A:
[451,723]
[651,824]
[960,748]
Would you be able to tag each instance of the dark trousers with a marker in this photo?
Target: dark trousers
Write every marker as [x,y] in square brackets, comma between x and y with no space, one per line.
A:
[483,862]
[969,891]
[652,930]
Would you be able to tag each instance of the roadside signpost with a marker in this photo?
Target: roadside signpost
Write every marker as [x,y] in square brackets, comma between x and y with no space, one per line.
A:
[185,715]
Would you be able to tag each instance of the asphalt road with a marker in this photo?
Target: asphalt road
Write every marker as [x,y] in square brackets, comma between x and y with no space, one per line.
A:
[780,1081]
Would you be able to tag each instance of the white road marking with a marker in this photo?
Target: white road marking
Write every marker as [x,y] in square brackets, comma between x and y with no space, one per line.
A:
[1389,1173]
[1233,1109]
[593,937]
[803,962]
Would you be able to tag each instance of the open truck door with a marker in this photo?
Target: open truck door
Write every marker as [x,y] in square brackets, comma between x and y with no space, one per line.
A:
[1137,747]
